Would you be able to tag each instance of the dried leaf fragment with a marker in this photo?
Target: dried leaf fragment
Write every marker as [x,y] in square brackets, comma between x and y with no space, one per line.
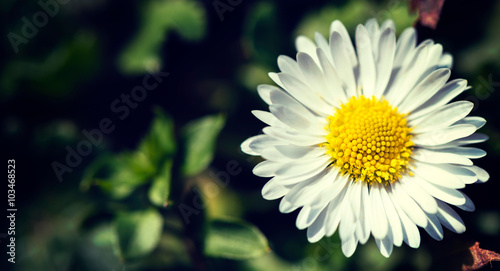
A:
[481,257]
[428,11]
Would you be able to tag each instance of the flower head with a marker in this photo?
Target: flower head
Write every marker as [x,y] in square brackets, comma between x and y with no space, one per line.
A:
[365,140]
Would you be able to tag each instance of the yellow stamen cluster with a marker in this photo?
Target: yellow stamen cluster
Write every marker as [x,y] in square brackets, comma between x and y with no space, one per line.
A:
[369,140]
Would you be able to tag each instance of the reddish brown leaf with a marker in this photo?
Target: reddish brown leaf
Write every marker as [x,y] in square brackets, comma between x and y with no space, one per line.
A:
[481,257]
[428,11]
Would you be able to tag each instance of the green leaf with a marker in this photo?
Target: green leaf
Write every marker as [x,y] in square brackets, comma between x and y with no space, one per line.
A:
[160,189]
[104,235]
[233,239]
[120,174]
[159,143]
[138,232]
[199,138]
[158,18]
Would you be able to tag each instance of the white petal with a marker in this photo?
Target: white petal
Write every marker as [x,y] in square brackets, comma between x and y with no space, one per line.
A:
[476,121]
[374,32]
[420,196]
[442,97]
[387,48]
[443,136]
[273,190]
[298,121]
[305,45]
[448,195]
[337,26]
[468,205]
[274,76]
[424,90]
[300,152]
[394,220]
[379,222]
[342,64]
[366,62]
[293,137]
[436,174]
[266,168]
[347,220]
[349,246]
[286,206]
[323,45]
[449,218]
[334,213]
[289,173]
[245,146]
[408,76]
[307,216]
[300,91]
[385,246]
[317,230]
[304,192]
[435,53]
[434,228]
[265,146]
[411,235]
[268,118]
[298,167]
[388,24]
[405,45]
[462,172]
[314,76]
[481,174]
[446,61]
[278,97]
[330,193]
[301,223]
[288,65]
[471,139]
[443,117]
[440,156]
[334,93]
[264,92]
[363,233]
[411,74]
[401,198]
[355,198]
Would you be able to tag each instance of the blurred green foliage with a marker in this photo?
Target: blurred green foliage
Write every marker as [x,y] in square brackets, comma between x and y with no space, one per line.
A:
[232,239]
[158,18]
[138,232]
[199,139]
[58,73]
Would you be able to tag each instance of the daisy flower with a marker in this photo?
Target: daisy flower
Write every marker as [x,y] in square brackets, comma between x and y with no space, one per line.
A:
[364,140]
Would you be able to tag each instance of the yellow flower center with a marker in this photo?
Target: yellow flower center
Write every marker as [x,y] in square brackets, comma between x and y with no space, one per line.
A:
[369,140]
